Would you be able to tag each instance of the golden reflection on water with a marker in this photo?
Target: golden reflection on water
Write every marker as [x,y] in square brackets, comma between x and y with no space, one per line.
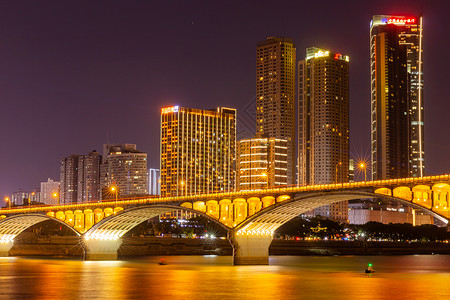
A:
[189,277]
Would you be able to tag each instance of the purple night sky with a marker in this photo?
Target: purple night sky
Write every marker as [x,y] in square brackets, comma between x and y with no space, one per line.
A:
[76,74]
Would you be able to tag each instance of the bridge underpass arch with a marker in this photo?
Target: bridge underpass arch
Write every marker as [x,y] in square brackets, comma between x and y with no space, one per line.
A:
[102,241]
[11,227]
[251,238]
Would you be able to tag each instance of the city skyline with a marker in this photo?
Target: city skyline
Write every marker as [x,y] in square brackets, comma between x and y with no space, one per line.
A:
[27,171]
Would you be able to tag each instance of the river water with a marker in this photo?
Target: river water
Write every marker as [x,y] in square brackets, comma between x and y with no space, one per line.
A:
[213,277]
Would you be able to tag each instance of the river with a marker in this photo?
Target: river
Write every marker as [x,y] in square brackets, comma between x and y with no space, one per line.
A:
[213,277]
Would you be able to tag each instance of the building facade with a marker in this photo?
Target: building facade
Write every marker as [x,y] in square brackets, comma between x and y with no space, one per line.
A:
[197,150]
[261,163]
[397,104]
[88,183]
[69,179]
[123,171]
[323,124]
[275,94]
[50,192]
[323,114]
[154,180]
[386,212]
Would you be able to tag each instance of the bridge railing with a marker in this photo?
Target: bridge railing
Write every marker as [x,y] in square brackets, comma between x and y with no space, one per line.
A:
[225,194]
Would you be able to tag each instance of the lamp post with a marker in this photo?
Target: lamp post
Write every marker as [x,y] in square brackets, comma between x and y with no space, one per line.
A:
[9,202]
[113,189]
[266,176]
[336,174]
[363,166]
[55,195]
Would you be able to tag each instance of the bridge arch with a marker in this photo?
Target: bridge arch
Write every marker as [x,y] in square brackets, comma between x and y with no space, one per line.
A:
[267,220]
[251,238]
[102,240]
[11,227]
[115,226]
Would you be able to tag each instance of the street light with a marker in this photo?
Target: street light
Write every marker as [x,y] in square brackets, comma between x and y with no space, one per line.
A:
[9,202]
[55,195]
[337,165]
[363,166]
[267,178]
[114,190]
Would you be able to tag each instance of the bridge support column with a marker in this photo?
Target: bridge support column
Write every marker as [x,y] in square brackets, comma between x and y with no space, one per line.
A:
[250,248]
[5,247]
[97,249]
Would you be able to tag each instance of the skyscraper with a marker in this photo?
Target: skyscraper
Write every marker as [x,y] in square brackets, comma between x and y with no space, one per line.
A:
[275,94]
[323,117]
[397,102]
[323,124]
[197,150]
[88,183]
[69,179]
[125,168]
[261,163]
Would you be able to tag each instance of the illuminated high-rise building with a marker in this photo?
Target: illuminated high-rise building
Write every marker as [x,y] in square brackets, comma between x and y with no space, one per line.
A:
[323,124]
[275,94]
[323,117]
[261,163]
[197,150]
[124,168]
[397,115]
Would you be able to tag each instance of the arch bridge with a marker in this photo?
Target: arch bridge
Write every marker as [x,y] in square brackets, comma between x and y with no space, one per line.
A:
[250,217]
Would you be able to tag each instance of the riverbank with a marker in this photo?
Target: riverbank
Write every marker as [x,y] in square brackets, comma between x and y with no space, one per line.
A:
[140,246]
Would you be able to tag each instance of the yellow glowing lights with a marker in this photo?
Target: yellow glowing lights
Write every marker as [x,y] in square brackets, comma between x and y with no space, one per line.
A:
[321,53]
[167,110]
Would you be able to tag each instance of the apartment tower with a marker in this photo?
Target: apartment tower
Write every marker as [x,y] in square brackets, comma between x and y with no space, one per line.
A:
[275,94]
[323,123]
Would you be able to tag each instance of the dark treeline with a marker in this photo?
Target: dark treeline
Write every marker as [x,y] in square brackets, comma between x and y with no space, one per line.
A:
[322,228]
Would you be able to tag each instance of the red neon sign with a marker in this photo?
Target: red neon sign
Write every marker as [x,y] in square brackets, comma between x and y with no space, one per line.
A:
[401,21]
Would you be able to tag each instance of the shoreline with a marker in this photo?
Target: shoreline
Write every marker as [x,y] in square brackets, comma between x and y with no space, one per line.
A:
[68,246]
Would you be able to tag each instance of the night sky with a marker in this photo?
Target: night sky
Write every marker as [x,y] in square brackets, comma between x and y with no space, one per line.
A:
[77,74]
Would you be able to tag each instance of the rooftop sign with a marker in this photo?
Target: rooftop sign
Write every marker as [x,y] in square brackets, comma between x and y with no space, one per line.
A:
[167,110]
[400,21]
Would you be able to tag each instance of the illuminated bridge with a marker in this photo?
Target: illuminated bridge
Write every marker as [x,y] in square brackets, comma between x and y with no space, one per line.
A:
[249,217]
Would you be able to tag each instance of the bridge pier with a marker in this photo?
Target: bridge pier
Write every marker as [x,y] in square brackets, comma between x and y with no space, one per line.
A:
[5,247]
[98,249]
[250,248]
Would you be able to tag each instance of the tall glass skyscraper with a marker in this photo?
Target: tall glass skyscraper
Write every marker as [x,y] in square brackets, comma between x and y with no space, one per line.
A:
[397,104]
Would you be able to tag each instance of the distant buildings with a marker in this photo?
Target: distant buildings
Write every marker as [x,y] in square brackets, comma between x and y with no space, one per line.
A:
[80,178]
[275,94]
[397,116]
[89,177]
[69,179]
[50,192]
[197,150]
[19,198]
[385,212]
[261,163]
[125,168]
[154,182]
